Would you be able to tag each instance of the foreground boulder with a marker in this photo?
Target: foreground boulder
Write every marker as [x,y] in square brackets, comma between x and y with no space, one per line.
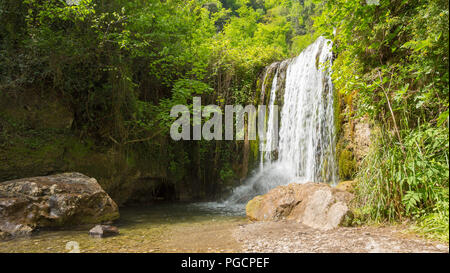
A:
[316,205]
[53,201]
[103,231]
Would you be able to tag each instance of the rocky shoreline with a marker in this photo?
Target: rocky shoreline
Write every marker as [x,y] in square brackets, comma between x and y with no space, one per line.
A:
[316,218]
[297,218]
[292,237]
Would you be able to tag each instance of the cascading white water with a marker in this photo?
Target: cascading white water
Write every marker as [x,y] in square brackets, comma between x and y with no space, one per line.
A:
[305,150]
[307,122]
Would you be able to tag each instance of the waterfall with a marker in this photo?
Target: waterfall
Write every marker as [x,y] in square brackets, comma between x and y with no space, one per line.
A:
[305,151]
[307,117]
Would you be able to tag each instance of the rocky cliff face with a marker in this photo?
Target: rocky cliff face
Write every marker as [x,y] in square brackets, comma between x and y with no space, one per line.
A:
[266,82]
[53,201]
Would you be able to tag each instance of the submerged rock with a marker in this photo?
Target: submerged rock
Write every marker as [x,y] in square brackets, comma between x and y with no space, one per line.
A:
[102,231]
[316,205]
[53,201]
[4,235]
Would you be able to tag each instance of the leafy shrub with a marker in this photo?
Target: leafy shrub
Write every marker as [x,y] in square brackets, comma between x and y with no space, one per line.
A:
[396,184]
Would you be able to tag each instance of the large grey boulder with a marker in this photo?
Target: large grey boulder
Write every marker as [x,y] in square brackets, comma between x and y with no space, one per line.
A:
[67,199]
[317,205]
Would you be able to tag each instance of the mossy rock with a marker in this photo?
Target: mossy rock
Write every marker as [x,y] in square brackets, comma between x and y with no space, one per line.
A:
[347,220]
[347,186]
[253,207]
[347,164]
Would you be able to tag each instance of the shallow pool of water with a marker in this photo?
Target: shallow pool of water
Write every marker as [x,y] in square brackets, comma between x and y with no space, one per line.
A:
[142,229]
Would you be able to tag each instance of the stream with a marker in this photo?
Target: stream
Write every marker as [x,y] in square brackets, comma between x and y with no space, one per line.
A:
[213,228]
[198,227]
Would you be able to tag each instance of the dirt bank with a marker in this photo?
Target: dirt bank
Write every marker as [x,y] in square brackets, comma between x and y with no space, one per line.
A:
[288,236]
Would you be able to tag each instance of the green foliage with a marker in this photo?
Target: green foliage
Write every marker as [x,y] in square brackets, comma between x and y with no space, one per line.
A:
[397,51]
[120,66]
[411,184]
[347,164]
[392,60]
[226,173]
[182,93]
[435,224]
[301,42]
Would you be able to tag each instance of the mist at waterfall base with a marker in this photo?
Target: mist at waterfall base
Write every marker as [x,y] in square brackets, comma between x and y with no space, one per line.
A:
[305,150]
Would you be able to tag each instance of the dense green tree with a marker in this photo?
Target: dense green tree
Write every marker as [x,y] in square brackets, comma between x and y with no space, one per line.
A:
[120,65]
